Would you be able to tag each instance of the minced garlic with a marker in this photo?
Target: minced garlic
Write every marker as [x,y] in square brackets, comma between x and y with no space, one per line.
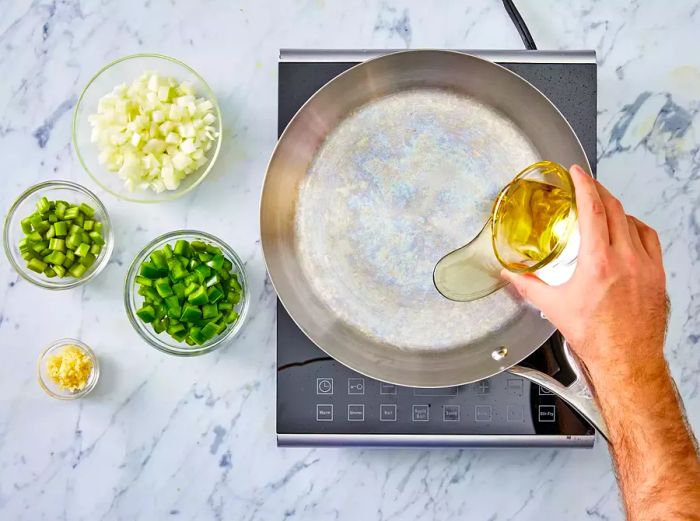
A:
[70,369]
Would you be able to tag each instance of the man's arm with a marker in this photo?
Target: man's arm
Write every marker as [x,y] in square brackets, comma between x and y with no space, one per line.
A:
[613,313]
[654,452]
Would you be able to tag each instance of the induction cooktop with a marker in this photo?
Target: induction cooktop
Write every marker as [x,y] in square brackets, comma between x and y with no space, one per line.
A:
[320,402]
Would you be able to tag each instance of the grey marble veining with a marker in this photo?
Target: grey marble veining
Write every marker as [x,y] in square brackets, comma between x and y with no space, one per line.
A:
[169,438]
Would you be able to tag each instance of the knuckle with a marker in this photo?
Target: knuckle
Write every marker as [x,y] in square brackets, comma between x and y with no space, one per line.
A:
[647,230]
[616,205]
[630,260]
[601,266]
[519,288]
[597,208]
[652,238]
[640,224]
[598,253]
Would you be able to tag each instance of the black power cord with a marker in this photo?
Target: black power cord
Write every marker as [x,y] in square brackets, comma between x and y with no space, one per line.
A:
[520,25]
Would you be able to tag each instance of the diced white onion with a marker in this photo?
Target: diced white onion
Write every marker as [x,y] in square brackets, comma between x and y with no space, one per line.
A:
[154,132]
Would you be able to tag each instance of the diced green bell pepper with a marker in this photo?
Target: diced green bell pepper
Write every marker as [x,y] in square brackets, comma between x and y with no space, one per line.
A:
[198,297]
[146,313]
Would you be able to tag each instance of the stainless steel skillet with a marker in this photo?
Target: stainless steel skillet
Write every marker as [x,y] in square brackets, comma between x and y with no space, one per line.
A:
[339,153]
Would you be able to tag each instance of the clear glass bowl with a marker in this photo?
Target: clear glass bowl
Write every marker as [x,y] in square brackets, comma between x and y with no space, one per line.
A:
[512,258]
[25,205]
[54,390]
[163,341]
[126,70]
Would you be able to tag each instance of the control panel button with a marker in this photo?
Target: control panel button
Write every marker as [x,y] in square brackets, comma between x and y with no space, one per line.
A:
[482,413]
[324,412]
[356,386]
[514,413]
[387,412]
[385,388]
[547,413]
[356,412]
[324,385]
[544,392]
[437,391]
[483,387]
[450,413]
[421,413]
[514,386]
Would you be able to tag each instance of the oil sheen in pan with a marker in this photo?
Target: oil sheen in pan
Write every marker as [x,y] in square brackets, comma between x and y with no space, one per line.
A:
[399,183]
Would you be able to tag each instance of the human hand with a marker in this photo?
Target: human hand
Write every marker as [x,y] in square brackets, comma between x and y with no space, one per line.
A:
[614,308]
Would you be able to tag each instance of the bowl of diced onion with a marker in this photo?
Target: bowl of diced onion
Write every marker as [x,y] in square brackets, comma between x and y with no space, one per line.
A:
[147,128]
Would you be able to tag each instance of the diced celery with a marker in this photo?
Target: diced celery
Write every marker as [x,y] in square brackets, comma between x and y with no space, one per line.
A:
[60,228]
[37,265]
[87,210]
[88,260]
[57,244]
[77,270]
[71,213]
[26,225]
[82,250]
[43,205]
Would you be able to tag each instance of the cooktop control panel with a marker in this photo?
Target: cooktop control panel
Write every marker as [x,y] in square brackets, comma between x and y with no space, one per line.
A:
[318,395]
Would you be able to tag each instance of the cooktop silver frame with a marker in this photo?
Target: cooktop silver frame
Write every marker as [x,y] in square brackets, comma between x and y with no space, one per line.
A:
[512,56]
[427,441]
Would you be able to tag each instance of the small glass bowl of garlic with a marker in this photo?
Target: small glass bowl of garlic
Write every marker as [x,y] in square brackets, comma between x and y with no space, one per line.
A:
[147,128]
[68,369]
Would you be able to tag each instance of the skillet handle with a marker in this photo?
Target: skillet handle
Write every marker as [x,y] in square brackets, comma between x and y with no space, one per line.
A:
[578,394]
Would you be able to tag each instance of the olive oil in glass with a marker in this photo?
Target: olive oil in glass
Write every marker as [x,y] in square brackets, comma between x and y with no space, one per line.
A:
[533,227]
[530,221]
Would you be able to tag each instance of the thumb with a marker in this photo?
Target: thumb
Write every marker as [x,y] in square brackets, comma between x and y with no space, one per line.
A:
[531,289]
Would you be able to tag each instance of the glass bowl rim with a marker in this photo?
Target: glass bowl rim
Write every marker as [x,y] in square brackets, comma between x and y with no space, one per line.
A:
[92,379]
[170,195]
[70,186]
[129,290]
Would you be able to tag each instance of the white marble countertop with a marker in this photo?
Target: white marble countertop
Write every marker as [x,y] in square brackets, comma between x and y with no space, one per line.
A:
[170,438]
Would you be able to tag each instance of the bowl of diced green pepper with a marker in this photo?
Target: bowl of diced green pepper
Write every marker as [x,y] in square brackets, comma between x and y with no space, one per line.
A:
[57,235]
[186,293]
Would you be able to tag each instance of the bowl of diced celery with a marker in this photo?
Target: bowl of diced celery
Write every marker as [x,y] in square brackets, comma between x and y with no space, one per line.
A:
[147,128]
[186,293]
[57,235]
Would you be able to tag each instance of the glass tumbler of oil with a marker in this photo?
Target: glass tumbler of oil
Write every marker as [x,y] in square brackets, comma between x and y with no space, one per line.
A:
[533,228]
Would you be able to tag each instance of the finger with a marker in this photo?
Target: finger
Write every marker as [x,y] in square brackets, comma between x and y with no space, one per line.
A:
[616,217]
[650,239]
[593,223]
[532,289]
[635,239]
